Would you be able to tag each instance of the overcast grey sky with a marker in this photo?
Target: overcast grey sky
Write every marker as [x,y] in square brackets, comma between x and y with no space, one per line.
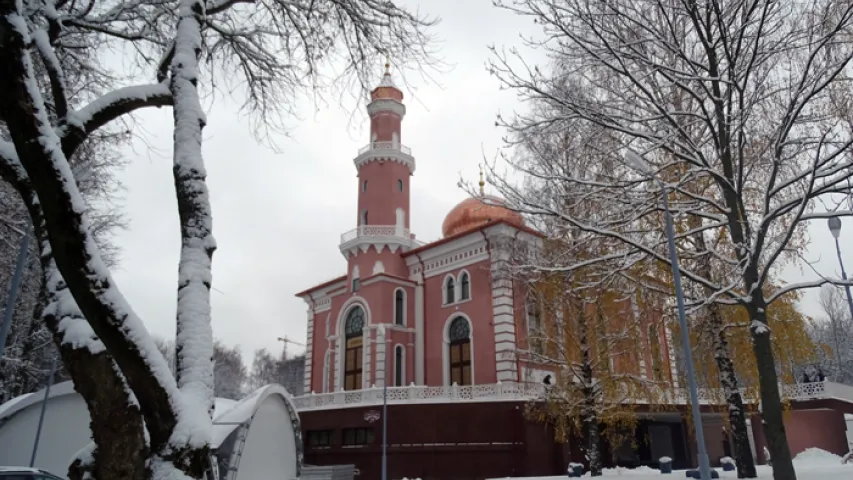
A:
[278,216]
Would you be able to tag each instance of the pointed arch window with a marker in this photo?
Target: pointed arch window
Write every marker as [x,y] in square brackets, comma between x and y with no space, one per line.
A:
[460,351]
[353,333]
[534,326]
[399,185]
[449,290]
[657,361]
[399,307]
[364,217]
[465,284]
[398,366]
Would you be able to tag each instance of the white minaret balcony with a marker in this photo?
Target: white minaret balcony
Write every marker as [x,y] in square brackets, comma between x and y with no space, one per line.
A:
[385,151]
[392,236]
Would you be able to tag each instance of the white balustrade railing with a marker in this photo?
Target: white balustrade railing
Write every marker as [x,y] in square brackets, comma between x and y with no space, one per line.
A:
[397,146]
[377,231]
[512,391]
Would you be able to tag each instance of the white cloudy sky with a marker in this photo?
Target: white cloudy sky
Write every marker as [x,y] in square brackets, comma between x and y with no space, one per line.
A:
[278,216]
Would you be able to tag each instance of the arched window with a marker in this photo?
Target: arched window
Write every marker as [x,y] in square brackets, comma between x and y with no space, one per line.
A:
[364,217]
[657,361]
[398,366]
[353,330]
[535,335]
[399,185]
[449,290]
[465,282]
[364,186]
[399,307]
[460,351]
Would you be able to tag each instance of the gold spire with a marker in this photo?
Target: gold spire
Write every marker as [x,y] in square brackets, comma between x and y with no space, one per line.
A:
[482,182]
[387,64]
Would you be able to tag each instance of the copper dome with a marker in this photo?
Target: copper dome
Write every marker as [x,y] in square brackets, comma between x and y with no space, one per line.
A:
[476,212]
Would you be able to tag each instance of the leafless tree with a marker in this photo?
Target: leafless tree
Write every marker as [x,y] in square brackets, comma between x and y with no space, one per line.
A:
[740,107]
[832,333]
[279,49]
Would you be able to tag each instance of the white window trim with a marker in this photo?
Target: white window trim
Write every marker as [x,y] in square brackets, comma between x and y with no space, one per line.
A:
[458,288]
[405,307]
[341,339]
[446,301]
[445,347]
[402,366]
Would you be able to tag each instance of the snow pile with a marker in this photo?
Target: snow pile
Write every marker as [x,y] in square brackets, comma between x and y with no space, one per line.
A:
[620,471]
[816,457]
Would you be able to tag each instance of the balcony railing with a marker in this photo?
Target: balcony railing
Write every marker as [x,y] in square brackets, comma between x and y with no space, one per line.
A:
[512,391]
[376,231]
[396,146]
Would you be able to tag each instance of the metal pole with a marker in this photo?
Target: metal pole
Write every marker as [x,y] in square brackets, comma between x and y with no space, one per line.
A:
[43,409]
[385,416]
[702,453]
[844,276]
[14,288]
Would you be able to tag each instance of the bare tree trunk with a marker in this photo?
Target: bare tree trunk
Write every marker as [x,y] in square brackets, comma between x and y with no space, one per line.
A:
[116,422]
[771,402]
[737,415]
[589,418]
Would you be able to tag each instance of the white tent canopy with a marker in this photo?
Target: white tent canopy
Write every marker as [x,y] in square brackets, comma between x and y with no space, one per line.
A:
[257,437]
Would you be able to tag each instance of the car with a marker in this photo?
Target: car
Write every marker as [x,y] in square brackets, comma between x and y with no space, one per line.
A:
[25,473]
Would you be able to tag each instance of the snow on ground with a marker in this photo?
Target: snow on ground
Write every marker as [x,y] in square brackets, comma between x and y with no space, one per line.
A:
[812,464]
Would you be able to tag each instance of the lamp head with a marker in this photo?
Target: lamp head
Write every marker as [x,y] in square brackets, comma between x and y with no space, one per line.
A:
[834,226]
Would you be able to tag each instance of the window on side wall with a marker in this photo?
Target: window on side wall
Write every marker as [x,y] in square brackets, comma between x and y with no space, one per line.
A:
[399,307]
[465,282]
[319,438]
[353,437]
[449,290]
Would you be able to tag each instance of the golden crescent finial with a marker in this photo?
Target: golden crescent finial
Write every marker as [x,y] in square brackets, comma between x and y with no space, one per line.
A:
[482,182]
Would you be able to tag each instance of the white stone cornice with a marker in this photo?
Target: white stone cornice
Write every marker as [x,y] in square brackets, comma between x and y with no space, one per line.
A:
[386,105]
[385,152]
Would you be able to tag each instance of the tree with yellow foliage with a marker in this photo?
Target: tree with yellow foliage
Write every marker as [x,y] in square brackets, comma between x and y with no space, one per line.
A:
[588,331]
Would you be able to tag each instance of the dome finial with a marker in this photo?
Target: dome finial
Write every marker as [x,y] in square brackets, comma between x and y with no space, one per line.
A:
[387,64]
[482,182]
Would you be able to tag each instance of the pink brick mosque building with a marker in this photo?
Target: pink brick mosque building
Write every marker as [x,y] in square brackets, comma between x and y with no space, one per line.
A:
[444,332]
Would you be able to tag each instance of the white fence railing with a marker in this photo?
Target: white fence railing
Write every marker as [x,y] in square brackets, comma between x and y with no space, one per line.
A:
[512,391]
[385,146]
[377,231]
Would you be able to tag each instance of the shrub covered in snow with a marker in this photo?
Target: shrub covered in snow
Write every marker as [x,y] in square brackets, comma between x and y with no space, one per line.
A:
[727,460]
[813,456]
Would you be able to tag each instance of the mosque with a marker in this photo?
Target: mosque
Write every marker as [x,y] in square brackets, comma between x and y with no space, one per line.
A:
[447,336]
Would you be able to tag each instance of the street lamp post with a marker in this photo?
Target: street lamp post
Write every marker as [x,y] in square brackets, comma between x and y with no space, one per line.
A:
[835,227]
[639,164]
[14,288]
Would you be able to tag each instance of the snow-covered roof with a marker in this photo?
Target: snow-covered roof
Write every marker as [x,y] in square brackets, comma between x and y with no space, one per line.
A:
[243,411]
[17,404]
[387,81]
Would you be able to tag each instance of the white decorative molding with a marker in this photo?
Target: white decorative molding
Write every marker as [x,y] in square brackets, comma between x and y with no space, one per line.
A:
[386,105]
[309,348]
[393,237]
[522,392]
[445,347]
[378,267]
[419,353]
[340,338]
[385,152]
[503,312]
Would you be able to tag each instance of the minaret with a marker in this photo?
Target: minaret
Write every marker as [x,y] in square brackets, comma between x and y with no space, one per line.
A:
[384,168]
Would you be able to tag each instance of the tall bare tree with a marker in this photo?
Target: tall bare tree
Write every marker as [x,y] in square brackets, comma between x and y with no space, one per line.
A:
[280,49]
[739,106]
